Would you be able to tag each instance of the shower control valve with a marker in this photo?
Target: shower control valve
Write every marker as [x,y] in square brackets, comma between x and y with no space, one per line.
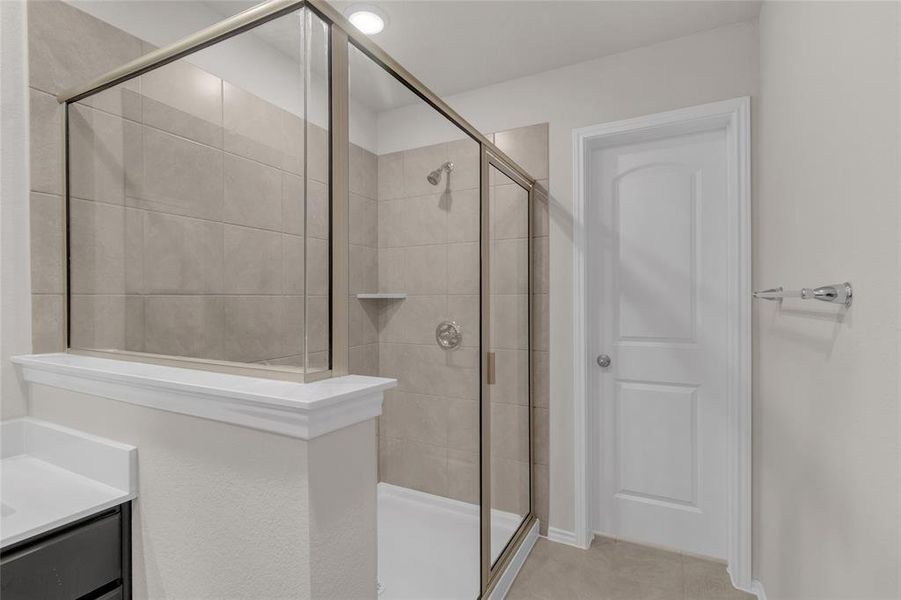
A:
[448,335]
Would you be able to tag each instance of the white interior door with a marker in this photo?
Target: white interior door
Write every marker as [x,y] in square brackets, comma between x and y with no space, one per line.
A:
[658,235]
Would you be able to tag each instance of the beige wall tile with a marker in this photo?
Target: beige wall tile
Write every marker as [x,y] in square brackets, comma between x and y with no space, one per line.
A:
[97,247]
[185,100]
[134,251]
[509,212]
[540,321]
[509,431]
[510,321]
[541,417]
[293,327]
[465,156]
[48,323]
[176,176]
[134,323]
[182,255]
[294,264]
[317,262]
[512,385]
[462,424]
[391,176]
[317,325]
[414,465]
[418,164]
[45,142]
[510,486]
[510,266]
[416,417]
[96,155]
[253,193]
[317,210]
[98,322]
[364,360]
[463,216]
[294,140]
[425,269]
[317,158]
[412,321]
[540,265]
[464,310]
[541,381]
[364,271]
[364,322]
[184,326]
[293,204]
[47,253]
[412,221]
[364,221]
[254,261]
[67,47]
[391,270]
[428,369]
[253,328]
[363,169]
[528,146]
[253,128]
[317,361]
[409,260]
[463,471]
[463,268]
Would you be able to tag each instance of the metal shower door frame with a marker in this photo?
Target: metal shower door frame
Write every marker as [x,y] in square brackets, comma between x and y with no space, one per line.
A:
[491,573]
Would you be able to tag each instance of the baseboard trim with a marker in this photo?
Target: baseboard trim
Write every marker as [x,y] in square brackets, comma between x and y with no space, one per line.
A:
[757,589]
[522,553]
[562,536]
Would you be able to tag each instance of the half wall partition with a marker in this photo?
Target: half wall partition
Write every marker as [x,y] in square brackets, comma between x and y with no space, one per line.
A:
[222,220]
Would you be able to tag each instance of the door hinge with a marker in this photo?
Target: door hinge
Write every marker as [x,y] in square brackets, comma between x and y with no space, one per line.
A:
[491,369]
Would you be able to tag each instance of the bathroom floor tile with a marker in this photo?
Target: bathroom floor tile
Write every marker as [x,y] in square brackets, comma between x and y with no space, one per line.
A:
[613,570]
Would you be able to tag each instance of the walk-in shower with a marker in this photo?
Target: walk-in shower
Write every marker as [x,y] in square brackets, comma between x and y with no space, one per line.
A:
[257,222]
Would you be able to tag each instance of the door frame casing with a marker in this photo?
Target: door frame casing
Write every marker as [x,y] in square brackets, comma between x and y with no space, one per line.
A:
[734,118]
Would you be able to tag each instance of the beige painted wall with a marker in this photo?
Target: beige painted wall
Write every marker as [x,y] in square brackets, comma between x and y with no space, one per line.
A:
[201,482]
[827,436]
[228,512]
[714,65]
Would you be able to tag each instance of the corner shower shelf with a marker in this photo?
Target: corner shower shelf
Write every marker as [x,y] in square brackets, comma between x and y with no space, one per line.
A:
[383,296]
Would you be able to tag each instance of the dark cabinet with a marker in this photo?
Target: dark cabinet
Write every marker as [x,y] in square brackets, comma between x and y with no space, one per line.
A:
[86,560]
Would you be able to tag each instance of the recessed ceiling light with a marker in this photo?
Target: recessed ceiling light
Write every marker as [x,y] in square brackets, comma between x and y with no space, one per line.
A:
[366,18]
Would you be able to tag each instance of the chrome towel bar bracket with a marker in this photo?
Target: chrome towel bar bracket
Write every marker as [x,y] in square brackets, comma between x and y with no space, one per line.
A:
[837,293]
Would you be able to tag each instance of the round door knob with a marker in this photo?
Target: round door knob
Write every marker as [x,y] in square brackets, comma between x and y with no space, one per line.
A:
[604,361]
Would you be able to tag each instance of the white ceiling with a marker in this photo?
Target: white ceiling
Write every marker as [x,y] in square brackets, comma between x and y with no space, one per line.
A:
[458,45]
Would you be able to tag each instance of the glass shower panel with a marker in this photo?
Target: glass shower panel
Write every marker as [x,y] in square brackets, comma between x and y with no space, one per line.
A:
[508,236]
[414,316]
[197,194]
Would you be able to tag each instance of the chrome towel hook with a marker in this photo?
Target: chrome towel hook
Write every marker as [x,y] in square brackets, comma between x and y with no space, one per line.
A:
[837,293]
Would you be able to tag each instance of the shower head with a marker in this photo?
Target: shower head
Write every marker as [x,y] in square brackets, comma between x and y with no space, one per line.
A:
[435,176]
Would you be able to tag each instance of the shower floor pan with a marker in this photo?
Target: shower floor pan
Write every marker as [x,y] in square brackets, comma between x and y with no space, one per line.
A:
[429,545]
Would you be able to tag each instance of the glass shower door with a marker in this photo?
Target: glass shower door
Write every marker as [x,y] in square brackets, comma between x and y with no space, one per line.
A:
[508,403]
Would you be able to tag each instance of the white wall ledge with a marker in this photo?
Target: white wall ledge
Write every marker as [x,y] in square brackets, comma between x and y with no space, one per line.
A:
[300,410]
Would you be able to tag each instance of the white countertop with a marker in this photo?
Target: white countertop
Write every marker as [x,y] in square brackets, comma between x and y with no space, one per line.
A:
[51,476]
[302,410]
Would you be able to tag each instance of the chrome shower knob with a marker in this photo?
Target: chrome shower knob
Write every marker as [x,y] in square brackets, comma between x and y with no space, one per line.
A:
[448,335]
